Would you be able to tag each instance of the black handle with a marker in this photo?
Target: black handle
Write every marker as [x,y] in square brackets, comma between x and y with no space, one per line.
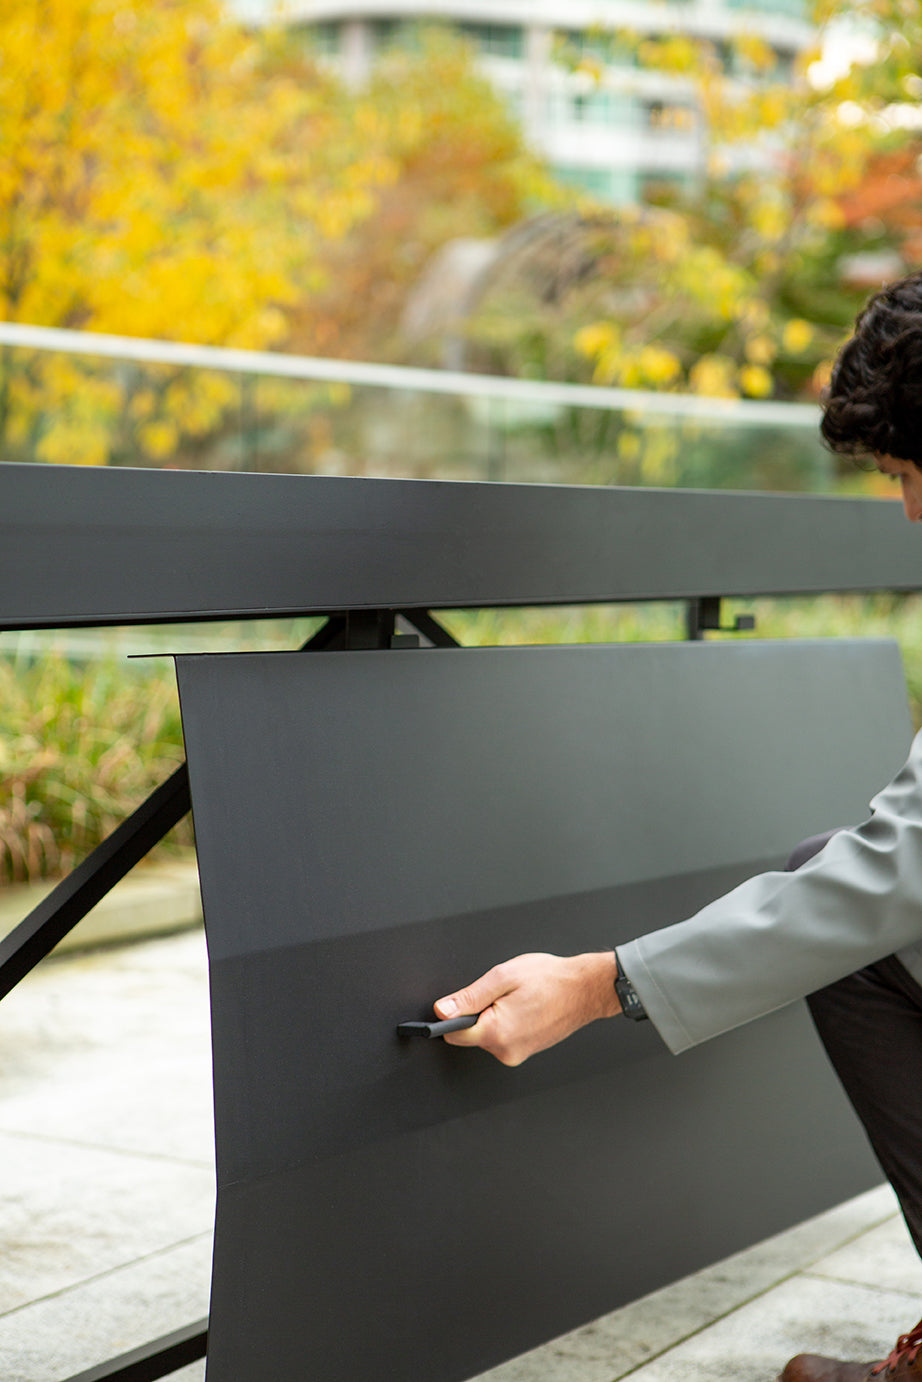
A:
[436,1029]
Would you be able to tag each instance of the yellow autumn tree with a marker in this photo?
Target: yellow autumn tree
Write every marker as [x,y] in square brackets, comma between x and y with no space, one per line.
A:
[745,270]
[462,169]
[736,285]
[162,174]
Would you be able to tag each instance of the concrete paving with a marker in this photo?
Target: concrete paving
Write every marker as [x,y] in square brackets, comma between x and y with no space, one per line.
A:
[154,899]
[107,1194]
[106,1143]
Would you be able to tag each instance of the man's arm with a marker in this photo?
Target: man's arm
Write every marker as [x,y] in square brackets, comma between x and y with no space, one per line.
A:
[773,939]
[534,1001]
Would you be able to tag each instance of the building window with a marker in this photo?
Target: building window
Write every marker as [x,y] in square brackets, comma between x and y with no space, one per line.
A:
[392,33]
[610,108]
[617,186]
[316,40]
[599,45]
[324,40]
[791,9]
[495,40]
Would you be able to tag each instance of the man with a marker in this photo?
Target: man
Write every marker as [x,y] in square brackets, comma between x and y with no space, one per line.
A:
[845,927]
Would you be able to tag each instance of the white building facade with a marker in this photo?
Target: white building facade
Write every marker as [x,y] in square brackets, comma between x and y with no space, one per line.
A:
[614,128]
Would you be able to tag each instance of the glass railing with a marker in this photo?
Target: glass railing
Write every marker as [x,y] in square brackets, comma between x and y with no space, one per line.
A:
[78,398]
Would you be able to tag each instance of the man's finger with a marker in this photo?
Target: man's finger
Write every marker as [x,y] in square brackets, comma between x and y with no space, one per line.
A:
[477,996]
[469,1036]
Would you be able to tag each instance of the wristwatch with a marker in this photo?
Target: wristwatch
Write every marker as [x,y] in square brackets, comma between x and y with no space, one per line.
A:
[631,1005]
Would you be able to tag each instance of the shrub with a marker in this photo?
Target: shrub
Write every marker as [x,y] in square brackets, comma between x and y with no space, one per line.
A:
[81,745]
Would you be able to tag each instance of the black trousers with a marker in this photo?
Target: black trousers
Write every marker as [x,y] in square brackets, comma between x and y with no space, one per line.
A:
[871,1026]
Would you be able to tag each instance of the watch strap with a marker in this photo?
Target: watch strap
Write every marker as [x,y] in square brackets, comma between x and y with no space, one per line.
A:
[630,1002]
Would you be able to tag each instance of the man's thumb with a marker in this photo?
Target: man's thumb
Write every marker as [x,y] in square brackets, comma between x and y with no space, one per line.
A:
[472,999]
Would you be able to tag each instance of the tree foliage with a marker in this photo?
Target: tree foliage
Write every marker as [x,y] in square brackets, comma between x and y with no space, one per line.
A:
[164,174]
[745,283]
[461,169]
[81,746]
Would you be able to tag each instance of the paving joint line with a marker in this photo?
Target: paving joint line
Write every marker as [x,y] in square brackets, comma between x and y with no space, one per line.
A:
[756,1295]
[109,1272]
[867,1285]
[25,1136]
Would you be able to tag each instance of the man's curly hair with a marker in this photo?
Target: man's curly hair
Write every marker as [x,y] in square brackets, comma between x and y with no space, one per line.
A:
[874,401]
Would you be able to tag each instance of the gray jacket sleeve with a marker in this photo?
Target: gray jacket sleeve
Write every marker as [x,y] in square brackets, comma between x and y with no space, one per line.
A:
[780,936]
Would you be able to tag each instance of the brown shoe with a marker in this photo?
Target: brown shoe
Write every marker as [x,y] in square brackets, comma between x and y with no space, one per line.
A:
[811,1367]
[903,1365]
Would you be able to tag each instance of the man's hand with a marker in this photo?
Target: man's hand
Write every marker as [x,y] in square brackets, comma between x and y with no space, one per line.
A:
[532,1002]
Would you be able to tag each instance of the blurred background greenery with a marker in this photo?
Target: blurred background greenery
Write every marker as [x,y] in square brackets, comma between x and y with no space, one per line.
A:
[88,734]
